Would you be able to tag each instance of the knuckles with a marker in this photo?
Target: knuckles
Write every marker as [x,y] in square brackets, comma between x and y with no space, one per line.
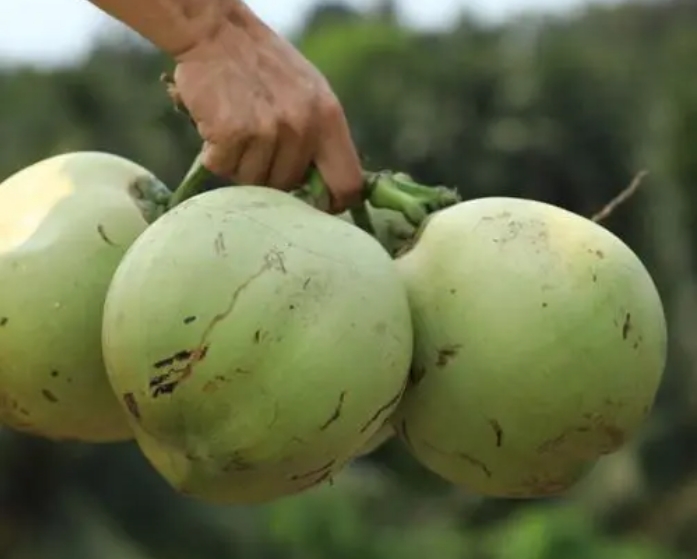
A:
[294,116]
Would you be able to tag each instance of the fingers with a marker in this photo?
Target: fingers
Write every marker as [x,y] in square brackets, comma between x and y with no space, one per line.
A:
[283,164]
[338,163]
[254,166]
[278,161]
[292,160]
[246,163]
[222,160]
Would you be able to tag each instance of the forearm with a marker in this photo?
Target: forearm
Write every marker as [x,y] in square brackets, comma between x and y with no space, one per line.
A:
[176,26]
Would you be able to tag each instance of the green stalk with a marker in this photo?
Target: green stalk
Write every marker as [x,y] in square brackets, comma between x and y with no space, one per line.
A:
[192,184]
[384,189]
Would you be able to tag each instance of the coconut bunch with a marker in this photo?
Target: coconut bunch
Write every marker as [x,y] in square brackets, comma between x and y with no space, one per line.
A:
[252,345]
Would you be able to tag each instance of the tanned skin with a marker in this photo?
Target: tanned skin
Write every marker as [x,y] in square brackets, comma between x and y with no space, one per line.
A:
[264,112]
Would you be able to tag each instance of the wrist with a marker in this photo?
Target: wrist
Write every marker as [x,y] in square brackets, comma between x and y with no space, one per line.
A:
[227,27]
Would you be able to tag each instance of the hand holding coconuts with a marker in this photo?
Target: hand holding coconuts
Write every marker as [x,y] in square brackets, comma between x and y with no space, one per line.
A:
[252,344]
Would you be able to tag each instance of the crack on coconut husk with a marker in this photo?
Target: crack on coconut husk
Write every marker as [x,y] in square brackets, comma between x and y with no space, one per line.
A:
[326,476]
[104,236]
[320,470]
[180,365]
[382,409]
[336,414]
[324,473]
[498,431]
[462,456]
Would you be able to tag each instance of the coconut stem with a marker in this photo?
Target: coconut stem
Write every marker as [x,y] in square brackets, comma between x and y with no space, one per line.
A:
[383,189]
[399,192]
[192,184]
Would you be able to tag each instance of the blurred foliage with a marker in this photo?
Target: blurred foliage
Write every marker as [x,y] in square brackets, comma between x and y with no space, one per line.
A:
[565,110]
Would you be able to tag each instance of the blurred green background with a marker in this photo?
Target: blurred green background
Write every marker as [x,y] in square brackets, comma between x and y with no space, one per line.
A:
[565,110]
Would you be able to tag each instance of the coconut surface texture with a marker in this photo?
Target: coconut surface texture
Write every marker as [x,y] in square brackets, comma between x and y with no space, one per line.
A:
[256,343]
[540,342]
[65,223]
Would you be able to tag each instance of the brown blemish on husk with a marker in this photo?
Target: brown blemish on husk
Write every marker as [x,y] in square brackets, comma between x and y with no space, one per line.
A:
[383,409]
[103,235]
[259,336]
[474,462]
[50,396]
[236,463]
[626,325]
[539,485]
[326,476]
[214,384]
[551,444]
[592,422]
[131,404]
[446,353]
[219,245]
[189,319]
[464,457]
[498,431]
[179,368]
[4,320]
[326,468]
[336,413]
[9,407]
[183,355]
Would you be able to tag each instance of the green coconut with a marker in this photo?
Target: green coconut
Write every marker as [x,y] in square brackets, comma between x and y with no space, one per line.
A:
[256,343]
[65,223]
[540,342]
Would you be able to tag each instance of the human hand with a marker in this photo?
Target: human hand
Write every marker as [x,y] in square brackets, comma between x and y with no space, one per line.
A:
[266,114]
